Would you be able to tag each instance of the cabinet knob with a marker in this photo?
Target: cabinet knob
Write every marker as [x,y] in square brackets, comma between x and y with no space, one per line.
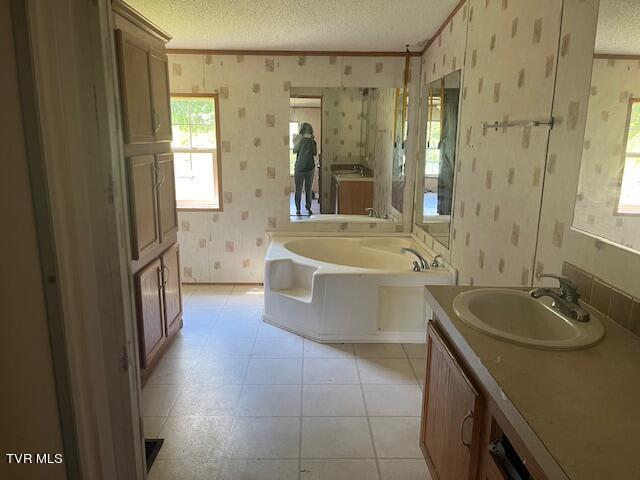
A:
[464,419]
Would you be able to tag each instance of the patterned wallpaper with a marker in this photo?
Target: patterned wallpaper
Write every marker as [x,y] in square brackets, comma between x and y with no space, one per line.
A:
[613,83]
[556,240]
[254,108]
[509,75]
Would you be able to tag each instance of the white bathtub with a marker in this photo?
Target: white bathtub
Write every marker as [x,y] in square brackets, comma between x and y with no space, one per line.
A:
[348,289]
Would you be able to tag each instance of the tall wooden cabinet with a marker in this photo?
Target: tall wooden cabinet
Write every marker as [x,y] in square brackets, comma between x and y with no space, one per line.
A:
[146,120]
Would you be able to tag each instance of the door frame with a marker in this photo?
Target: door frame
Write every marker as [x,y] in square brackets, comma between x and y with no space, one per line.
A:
[67,47]
[319,97]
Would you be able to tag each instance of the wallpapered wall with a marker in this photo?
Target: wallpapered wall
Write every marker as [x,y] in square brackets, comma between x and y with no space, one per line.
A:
[613,83]
[512,51]
[254,109]
[557,241]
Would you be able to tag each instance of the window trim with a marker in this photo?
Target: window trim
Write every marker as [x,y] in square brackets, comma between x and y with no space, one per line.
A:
[625,154]
[218,157]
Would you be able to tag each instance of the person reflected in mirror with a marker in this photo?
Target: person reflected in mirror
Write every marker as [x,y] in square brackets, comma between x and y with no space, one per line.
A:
[306,150]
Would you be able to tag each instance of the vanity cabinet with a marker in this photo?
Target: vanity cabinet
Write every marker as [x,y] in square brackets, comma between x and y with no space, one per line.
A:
[461,424]
[452,413]
[351,197]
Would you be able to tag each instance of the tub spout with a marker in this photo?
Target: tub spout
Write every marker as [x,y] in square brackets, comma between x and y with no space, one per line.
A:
[423,263]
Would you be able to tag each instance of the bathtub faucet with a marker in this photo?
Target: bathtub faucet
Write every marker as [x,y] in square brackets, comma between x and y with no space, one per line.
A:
[372,212]
[422,263]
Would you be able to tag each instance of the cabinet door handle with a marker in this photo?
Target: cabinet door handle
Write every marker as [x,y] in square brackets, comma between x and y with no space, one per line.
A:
[156,122]
[164,279]
[160,282]
[462,422]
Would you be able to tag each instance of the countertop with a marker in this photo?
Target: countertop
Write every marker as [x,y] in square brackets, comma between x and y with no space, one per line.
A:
[350,177]
[580,409]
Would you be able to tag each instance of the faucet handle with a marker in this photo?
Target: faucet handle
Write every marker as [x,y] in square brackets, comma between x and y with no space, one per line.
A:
[434,262]
[568,289]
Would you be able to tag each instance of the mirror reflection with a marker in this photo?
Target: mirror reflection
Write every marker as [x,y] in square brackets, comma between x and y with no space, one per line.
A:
[341,151]
[434,193]
[608,195]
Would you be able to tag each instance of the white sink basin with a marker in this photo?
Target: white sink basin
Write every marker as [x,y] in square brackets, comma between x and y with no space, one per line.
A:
[515,316]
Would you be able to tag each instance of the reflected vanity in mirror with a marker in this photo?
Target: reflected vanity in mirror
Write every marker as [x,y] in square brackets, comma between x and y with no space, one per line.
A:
[434,188]
[350,178]
[608,196]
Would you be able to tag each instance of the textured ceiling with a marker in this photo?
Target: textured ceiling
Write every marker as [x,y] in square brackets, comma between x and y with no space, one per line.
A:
[335,25]
[301,102]
[618,27]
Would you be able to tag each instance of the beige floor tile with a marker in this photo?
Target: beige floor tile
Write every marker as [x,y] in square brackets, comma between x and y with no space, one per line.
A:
[415,350]
[201,315]
[241,312]
[185,348]
[181,469]
[379,350]
[253,469]
[332,401]
[327,350]
[404,469]
[235,328]
[219,371]
[389,371]
[337,469]
[171,371]
[265,437]
[269,401]
[393,400]
[206,300]
[195,437]
[278,347]
[214,290]
[228,347]
[212,400]
[282,371]
[419,367]
[396,437]
[336,437]
[330,370]
[270,331]
[196,330]
[158,400]
[151,426]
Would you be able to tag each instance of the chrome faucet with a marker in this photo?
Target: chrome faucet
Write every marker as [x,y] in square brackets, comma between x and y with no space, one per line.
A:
[565,300]
[421,264]
[372,212]
[435,262]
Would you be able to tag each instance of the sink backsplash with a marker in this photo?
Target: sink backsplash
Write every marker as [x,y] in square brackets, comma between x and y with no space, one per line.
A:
[617,305]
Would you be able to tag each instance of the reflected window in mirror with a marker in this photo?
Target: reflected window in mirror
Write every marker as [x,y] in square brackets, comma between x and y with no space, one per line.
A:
[434,193]
[629,199]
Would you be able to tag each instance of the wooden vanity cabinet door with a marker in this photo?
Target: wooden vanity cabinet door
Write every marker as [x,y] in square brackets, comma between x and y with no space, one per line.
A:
[171,289]
[451,424]
[151,331]
[159,73]
[167,213]
[142,179]
[135,88]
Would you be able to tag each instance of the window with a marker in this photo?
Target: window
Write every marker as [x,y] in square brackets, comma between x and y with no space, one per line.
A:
[294,128]
[195,151]
[629,200]
[432,157]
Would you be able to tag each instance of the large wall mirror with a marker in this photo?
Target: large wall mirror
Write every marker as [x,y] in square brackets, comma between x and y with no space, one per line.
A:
[608,197]
[434,188]
[341,153]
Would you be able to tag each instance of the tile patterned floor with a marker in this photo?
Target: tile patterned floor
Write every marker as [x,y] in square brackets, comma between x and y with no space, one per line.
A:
[238,399]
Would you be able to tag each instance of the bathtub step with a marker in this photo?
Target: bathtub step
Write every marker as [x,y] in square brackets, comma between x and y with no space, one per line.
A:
[299,294]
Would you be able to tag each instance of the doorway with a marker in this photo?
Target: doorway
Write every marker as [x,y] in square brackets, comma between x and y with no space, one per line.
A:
[305,109]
